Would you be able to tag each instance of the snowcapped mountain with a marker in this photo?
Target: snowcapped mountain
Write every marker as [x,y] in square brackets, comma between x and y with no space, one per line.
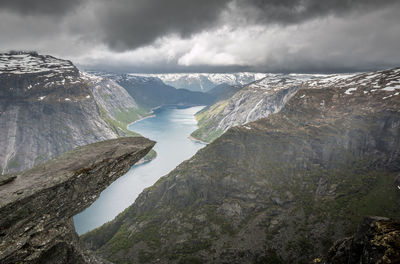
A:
[47,107]
[370,83]
[32,63]
[206,81]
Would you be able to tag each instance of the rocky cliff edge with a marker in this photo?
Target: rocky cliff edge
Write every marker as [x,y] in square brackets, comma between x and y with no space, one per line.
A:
[37,206]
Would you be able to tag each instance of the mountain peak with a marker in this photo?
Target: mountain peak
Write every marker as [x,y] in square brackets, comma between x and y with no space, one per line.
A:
[31,62]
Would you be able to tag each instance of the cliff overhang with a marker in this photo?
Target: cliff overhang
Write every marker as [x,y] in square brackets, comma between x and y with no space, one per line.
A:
[37,205]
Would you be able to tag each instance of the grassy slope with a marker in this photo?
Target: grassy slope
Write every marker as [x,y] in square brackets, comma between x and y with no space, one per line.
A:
[123,119]
[207,122]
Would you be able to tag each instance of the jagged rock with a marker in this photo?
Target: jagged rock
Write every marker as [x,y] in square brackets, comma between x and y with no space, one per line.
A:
[37,207]
[377,240]
[6,178]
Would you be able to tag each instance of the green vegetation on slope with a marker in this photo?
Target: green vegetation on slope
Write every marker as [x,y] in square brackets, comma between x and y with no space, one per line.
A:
[154,93]
[120,125]
[128,116]
[208,129]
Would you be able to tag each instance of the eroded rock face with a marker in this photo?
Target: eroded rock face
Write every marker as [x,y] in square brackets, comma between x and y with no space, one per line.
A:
[37,206]
[377,240]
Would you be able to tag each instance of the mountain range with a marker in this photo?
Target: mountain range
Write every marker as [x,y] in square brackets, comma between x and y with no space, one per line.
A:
[206,81]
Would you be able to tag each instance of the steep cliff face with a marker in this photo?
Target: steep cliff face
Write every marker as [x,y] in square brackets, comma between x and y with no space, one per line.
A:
[252,102]
[278,190]
[37,206]
[48,107]
[116,106]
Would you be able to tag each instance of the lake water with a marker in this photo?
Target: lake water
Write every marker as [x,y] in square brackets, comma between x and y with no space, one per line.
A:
[170,128]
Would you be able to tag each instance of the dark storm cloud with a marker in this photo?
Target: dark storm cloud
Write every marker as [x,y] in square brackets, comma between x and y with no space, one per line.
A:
[130,24]
[165,67]
[39,7]
[297,11]
[208,35]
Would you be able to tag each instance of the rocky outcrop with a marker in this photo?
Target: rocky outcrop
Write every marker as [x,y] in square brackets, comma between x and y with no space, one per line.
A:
[253,101]
[37,206]
[281,189]
[377,240]
[47,107]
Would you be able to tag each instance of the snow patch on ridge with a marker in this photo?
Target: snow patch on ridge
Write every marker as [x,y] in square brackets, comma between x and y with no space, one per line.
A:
[348,91]
[24,63]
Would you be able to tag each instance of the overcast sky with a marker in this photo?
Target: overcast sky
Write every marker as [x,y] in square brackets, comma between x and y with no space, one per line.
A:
[208,35]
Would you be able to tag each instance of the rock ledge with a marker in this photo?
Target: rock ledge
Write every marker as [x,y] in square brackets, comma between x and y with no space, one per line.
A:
[37,205]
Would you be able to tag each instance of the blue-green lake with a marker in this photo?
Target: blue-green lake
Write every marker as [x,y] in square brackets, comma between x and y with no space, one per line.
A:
[170,127]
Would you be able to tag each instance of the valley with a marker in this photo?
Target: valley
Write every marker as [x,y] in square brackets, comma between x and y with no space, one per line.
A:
[170,127]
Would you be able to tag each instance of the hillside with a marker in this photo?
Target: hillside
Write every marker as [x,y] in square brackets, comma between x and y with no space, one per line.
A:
[151,92]
[116,106]
[223,91]
[249,103]
[281,189]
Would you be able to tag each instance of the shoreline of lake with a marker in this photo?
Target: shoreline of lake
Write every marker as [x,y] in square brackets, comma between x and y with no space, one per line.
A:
[170,126]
